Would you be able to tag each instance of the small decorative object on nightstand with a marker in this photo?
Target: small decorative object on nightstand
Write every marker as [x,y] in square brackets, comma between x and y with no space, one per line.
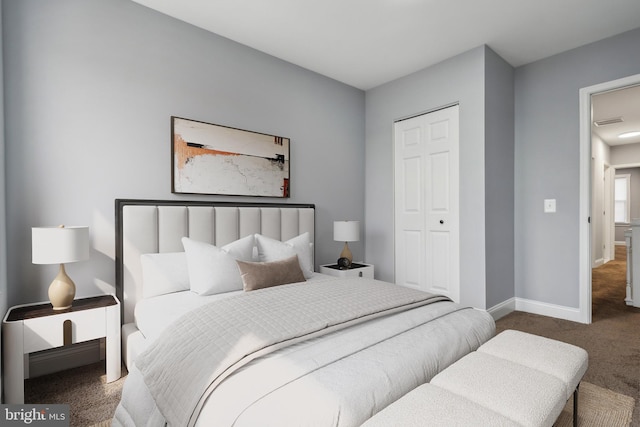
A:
[60,245]
[34,327]
[354,270]
[346,231]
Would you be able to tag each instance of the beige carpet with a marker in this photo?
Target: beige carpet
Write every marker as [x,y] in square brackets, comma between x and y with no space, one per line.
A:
[92,400]
[598,407]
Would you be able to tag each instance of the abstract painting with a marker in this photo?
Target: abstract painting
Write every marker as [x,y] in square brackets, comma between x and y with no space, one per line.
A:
[214,159]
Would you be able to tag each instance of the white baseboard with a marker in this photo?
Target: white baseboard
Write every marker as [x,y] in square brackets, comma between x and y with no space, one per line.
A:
[61,358]
[498,311]
[622,243]
[546,309]
[598,262]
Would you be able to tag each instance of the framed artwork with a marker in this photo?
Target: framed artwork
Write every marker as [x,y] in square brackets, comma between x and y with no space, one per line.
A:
[214,159]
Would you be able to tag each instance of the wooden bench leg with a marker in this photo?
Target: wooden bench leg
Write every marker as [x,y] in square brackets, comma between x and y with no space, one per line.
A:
[575,406]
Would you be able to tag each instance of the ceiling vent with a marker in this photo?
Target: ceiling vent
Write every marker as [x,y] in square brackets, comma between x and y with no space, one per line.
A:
[610,121]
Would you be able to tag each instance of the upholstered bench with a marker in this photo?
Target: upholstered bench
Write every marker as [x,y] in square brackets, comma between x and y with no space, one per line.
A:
[564,361]
[515,379]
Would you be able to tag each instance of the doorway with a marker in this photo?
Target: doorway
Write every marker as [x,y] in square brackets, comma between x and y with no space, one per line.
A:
[587,188]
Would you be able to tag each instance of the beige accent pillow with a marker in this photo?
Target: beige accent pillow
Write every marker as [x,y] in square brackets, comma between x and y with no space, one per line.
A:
[258,275]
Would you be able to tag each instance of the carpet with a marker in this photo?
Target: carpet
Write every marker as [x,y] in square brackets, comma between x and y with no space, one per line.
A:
[598,407]
[91,399]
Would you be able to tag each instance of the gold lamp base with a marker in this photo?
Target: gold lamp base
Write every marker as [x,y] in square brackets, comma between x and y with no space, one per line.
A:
[346,253]
[62,290]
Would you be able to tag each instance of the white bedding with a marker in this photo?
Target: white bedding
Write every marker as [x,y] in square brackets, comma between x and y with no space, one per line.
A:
[344,379]
[153,315]
[338,379]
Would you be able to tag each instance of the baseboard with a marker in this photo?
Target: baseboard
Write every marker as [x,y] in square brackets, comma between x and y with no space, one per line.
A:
[62,358]
[622,243]
[598,262]
[498,311]
[546,309]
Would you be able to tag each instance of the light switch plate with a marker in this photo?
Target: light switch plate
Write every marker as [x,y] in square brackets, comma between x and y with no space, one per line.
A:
[549,205]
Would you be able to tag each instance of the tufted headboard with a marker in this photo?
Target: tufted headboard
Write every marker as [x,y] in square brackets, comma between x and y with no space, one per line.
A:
[156,226]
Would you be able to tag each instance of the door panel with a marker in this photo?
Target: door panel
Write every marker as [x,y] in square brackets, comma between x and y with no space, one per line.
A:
[439,182]
[412,200]
[412,256]
[439,262]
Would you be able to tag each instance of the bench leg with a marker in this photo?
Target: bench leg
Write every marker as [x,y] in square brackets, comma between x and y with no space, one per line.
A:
[575,406]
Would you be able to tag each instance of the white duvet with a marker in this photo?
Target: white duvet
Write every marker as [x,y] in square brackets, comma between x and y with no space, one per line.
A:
[153,315]
[339,379]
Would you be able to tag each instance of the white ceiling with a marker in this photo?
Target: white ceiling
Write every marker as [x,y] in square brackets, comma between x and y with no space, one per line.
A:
[365,43]
[624,103]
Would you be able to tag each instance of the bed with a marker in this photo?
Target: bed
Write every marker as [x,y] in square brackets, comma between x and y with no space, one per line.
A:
[208,341]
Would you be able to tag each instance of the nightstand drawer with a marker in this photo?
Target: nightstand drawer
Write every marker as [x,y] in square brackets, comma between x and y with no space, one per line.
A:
[48,332]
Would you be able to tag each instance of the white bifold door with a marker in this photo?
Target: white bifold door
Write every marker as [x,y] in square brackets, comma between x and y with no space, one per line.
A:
[427,226]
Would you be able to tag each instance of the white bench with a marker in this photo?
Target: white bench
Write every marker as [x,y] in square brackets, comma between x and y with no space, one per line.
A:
[514,379]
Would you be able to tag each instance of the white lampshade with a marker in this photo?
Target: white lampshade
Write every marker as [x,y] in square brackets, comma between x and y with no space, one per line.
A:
[59,245]
[346,231]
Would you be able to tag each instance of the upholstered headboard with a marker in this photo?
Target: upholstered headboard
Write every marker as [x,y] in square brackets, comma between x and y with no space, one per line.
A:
[156,226]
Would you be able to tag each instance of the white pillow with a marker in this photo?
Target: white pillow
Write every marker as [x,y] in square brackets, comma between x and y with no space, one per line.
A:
[164,273]
[274,250]
[213,270]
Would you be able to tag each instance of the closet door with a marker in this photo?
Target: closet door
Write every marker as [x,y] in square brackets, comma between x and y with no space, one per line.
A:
[426,169]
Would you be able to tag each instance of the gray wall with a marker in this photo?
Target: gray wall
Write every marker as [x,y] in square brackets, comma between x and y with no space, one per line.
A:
[499,173]
[459,79]
[547,162]
[628,154]
[482,83]
[620,230]
[89,90]
[3,235]
[634,190]
[634,199]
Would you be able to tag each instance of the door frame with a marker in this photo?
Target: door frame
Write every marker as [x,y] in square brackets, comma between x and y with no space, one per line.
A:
[584,247]
[609,224]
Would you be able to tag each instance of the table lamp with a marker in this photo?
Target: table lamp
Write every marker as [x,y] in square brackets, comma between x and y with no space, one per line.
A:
[346,231]
[60,245]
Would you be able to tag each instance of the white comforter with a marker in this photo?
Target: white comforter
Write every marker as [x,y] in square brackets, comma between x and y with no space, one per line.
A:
[340,379]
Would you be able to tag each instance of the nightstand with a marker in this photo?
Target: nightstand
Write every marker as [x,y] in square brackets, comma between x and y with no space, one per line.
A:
[356,270]
[34,327]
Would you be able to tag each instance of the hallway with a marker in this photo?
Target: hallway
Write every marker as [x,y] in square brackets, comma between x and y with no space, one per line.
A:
[609,283]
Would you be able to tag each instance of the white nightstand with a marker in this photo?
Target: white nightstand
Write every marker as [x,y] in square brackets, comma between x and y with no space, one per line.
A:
[356,270]
[35,327]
